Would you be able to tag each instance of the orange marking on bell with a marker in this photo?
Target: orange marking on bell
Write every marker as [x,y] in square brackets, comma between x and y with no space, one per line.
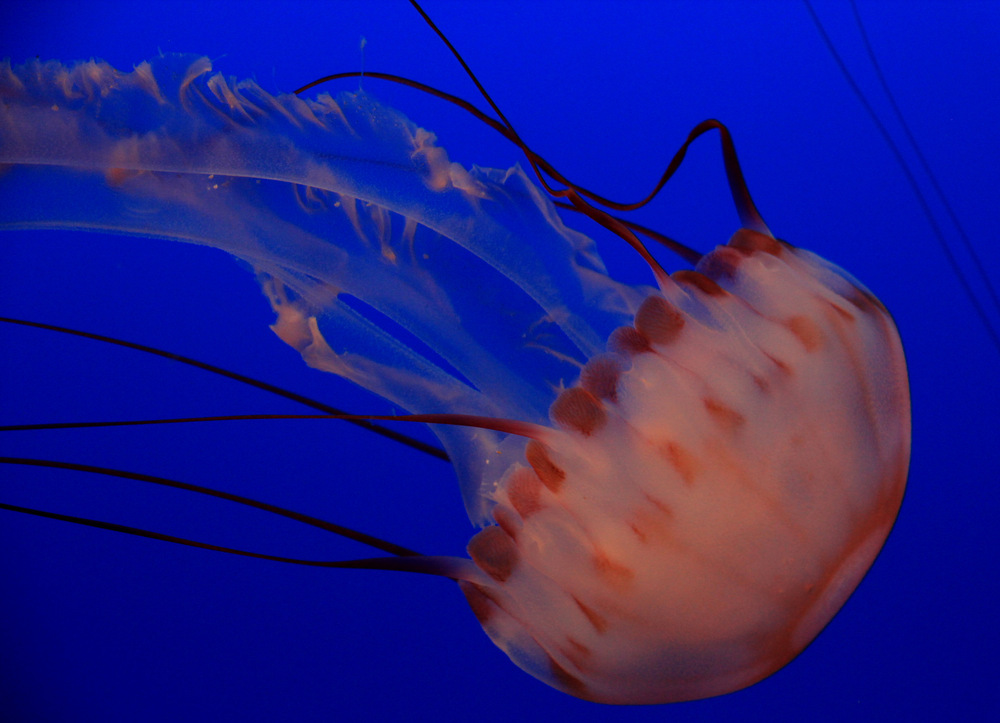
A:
[660,505]
[658,320]
[628,340]
[651,525]
[567,680]
[600,377]
[576,653]
[638,532]
[699,281]
[524,491]
[507,521]
[494,552]
[614,573]
[683,462]
[844,313]
[599,622]
[749,242]
[538,457]
[806,331]
[579,410]
[723,262]
[727,417]
[579,649]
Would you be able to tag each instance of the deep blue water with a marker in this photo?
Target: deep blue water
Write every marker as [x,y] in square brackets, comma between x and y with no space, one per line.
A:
[97,626]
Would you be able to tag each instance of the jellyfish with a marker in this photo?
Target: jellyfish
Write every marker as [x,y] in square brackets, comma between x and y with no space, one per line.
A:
[307,200]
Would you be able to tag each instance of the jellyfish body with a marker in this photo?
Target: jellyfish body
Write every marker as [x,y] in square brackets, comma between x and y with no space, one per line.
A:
[726,454]
[719,485]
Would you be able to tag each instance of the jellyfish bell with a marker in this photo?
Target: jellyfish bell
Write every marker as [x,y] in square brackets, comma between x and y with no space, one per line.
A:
[714,491]
[727,453]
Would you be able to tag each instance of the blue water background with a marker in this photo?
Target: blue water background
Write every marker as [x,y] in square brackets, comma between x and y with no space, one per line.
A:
[97,626]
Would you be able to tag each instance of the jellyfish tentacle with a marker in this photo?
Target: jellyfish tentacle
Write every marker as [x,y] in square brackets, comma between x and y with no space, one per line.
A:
[345,532]
[241,378]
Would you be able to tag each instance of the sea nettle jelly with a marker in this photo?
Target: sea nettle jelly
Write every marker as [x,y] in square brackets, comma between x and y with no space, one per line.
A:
[679,486]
